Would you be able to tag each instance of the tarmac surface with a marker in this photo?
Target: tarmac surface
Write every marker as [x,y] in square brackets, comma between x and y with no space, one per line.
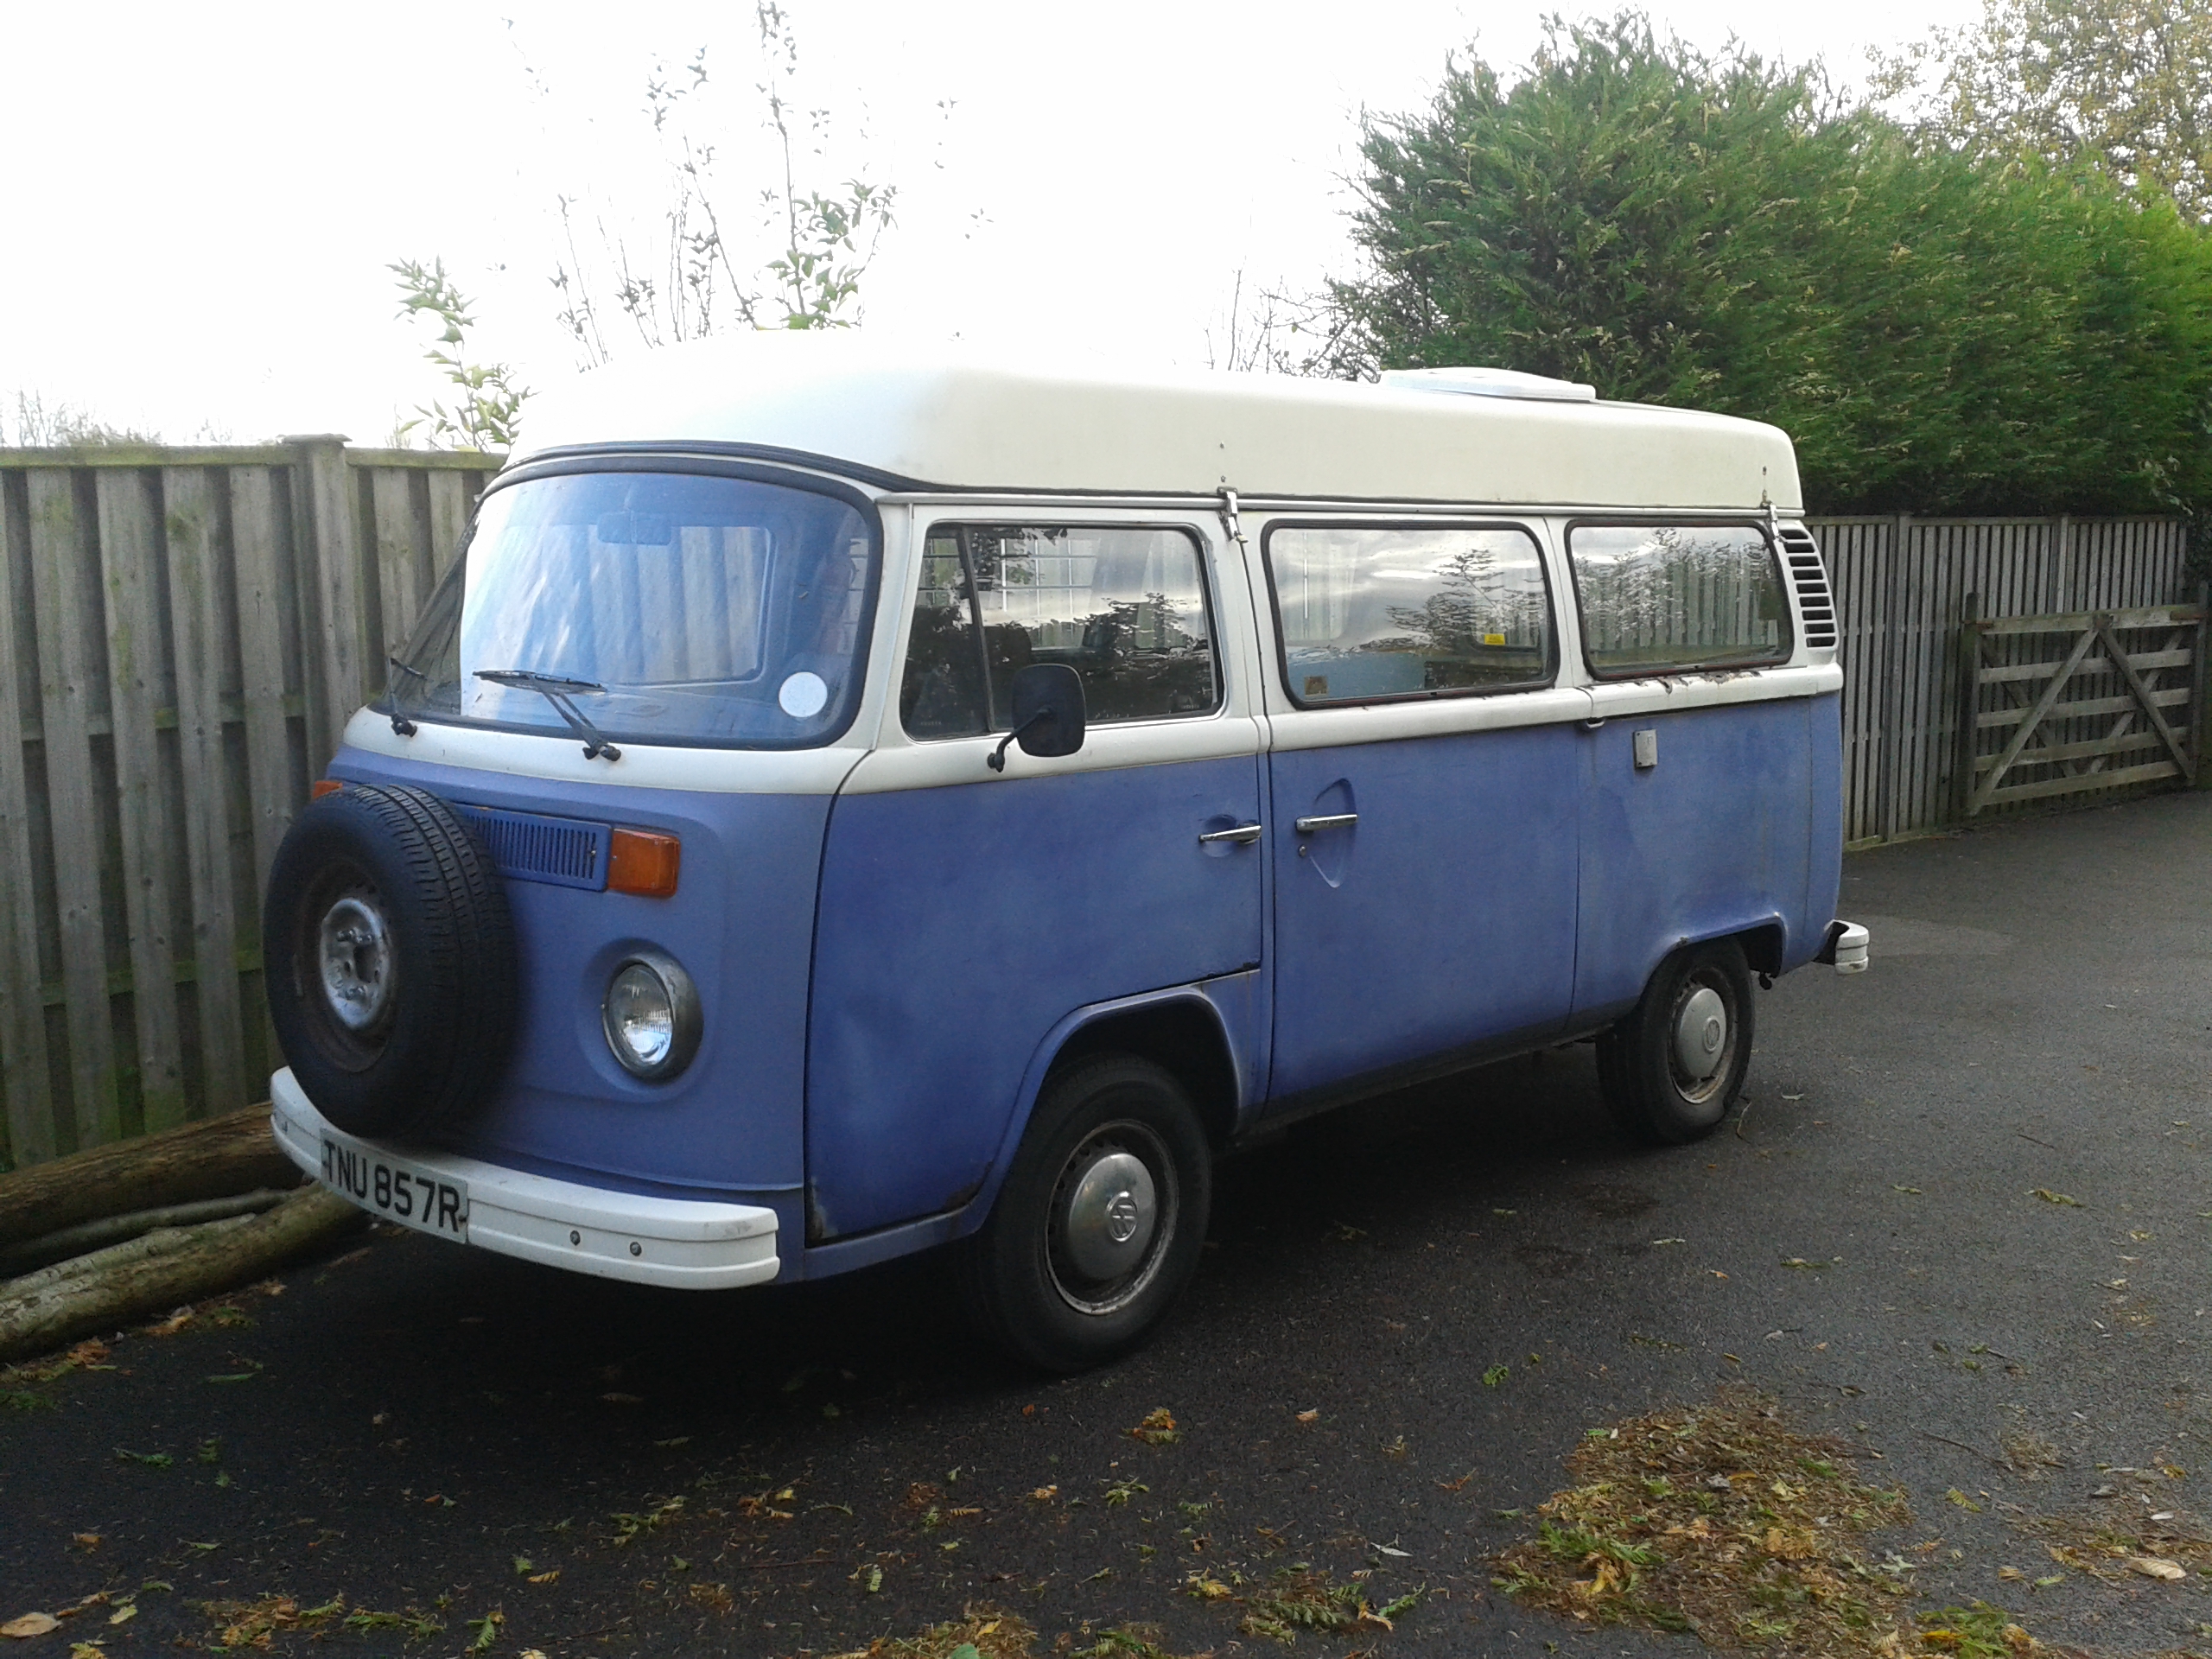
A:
[440,1434]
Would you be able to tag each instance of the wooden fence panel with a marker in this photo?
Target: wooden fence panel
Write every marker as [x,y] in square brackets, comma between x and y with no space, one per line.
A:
[1904,587]
[183,633]
[24,1057]
[70,676]
[130,562]
[197,628]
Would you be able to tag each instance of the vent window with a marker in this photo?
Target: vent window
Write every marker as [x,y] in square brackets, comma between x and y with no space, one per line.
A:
[1815,598]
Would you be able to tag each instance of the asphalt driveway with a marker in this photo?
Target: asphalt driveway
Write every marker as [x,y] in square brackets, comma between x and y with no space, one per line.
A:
[1962,1223]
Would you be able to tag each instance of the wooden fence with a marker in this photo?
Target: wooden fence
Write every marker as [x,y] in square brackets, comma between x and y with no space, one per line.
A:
[1903,587]
[183,633]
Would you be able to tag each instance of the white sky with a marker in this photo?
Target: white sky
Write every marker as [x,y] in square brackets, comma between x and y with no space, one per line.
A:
[201,199]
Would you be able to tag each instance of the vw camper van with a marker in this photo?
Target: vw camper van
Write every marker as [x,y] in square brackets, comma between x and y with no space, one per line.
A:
[843,802]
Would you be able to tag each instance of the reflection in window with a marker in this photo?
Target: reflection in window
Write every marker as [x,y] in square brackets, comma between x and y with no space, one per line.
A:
[1126,608]
[1408,611]
[1662,598]
[696,609]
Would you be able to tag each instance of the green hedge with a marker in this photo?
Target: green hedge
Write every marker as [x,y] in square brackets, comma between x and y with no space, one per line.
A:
[1937,334]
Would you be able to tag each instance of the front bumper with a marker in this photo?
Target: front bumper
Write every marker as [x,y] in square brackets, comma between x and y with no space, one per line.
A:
[688,1243]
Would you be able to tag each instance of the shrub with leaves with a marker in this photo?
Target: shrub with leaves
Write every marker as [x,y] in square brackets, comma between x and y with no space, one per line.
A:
[484,414]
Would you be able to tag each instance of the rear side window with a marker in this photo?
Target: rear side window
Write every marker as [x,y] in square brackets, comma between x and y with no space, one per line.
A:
[1125,606]
[1374,611]
[1666,599]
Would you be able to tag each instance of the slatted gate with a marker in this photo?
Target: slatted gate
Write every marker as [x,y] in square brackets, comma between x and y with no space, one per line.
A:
[2087,700]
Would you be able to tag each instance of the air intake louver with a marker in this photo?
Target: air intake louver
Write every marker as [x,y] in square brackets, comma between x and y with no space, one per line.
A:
[1814,598]
[528,848]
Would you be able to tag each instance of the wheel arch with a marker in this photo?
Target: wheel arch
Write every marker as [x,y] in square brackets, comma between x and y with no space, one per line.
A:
[1179,1029]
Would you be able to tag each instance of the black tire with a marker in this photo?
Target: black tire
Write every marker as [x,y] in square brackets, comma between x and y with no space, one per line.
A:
[1064,1303]
[1649,1066]
[390,960]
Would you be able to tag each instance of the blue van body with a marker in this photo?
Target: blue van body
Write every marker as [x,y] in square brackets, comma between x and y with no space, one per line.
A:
[894,959]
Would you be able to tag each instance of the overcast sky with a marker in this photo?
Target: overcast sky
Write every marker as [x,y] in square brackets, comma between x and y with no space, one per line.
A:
[202,199]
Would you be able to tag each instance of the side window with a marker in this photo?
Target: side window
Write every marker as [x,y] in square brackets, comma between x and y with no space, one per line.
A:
[1663,599]
[1408,610]
[1125,607]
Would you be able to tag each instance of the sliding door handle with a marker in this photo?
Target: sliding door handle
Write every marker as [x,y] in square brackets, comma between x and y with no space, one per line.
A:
[1241,832]
[1327,821]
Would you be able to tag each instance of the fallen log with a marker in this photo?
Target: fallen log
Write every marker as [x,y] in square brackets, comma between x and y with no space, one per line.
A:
[216,1159]
[33,1254]
[157,1272]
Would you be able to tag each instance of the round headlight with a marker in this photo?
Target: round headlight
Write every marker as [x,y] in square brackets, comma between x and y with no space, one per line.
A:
[651,1016]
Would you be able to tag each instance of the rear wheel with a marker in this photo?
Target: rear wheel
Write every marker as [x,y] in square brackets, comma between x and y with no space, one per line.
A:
[1099,1224]
[1671,1068]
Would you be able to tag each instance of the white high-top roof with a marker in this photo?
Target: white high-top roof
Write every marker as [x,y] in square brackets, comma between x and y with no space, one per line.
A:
[938,418]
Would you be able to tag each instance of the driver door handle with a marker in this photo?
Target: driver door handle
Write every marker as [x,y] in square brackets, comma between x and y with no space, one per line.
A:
[1327,821]
[1241,832]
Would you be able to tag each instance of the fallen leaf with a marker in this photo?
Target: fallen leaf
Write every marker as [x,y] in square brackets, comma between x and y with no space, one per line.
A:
[171,1325]
[1312,1417]
[85,1541]
[1158,1428]
[1045,1494]
[124,1614]
[619,1398]
[2049,1197]
[2011,1574]
[1208,1589]
[2157,1566]
[30,1624]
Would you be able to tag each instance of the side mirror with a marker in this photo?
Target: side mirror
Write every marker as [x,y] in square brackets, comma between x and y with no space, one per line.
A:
[1048,712]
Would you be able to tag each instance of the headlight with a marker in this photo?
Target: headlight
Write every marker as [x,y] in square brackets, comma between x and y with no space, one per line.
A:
[651,1016]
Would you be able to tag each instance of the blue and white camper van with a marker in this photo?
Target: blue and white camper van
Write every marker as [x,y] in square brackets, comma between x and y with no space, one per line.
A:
[844,802]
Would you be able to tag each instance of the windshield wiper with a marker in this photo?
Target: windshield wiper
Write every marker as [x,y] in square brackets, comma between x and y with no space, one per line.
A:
[400,724]
[555,689]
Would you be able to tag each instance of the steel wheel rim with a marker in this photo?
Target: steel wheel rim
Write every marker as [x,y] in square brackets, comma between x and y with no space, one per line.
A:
[1104,1242]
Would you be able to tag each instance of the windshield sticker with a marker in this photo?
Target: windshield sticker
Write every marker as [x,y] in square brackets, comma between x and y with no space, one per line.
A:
[803,694]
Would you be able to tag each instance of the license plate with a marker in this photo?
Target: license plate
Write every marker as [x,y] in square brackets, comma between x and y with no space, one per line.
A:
[428,1202]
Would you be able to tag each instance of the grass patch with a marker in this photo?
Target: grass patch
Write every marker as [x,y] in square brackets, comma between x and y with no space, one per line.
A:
[1722,1521]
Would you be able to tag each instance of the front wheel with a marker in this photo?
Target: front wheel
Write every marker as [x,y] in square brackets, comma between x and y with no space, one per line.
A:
[1671,1068]
[1099,1224]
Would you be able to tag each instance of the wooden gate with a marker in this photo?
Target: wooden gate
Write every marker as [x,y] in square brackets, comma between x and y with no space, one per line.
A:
[2054,705]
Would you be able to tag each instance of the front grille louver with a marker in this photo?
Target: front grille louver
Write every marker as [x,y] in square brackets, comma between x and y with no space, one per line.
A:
[528,847]
[1815,601]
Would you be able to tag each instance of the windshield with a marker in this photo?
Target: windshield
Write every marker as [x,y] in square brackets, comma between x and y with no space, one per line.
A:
[663,607]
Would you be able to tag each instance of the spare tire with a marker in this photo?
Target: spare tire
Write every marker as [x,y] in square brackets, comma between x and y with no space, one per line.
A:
[389,954]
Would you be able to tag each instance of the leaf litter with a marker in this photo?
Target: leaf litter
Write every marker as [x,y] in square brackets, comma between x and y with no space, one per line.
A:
[1722,1520]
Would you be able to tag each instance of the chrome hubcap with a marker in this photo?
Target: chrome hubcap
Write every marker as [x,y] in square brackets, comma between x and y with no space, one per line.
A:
[1111,1216]
[356,958]
[1701,1034]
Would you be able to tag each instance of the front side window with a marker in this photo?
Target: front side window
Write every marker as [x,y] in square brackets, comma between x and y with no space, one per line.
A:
[1375,610]
[680,608]
[1667,599]
[1125,607]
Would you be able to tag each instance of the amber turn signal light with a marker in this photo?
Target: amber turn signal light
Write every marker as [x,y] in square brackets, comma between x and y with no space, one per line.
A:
[644,863]
[323,786]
